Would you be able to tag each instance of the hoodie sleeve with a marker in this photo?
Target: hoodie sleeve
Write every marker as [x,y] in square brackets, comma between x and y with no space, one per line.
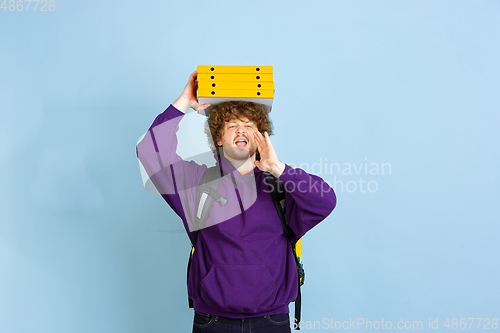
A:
[171,176]
[309,199]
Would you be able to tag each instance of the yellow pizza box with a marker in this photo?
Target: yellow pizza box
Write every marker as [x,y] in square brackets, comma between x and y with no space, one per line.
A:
[236,93]
[267,102]
[234,69]
[235,77]
[217,84]
[236,85]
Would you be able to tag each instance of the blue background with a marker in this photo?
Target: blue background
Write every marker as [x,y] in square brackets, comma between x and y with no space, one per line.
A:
[84,248]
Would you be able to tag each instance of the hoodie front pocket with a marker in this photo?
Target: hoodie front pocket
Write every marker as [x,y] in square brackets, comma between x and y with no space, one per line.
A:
[238,288]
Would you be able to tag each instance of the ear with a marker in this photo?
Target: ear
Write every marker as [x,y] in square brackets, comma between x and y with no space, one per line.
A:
[219,143]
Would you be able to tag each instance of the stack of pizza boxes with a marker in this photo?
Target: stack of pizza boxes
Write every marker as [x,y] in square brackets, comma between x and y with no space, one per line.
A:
[218,84]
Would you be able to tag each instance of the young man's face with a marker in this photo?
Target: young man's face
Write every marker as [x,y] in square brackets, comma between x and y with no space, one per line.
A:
[237,139]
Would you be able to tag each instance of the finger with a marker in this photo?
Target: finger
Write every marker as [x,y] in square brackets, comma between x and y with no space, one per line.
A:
[268,139]
[204,106]
[192,77]
[260,139]
[190,86]
[261,143]
[256,140]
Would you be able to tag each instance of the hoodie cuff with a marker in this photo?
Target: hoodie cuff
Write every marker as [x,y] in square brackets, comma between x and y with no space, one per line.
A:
[288,174]
[172,112]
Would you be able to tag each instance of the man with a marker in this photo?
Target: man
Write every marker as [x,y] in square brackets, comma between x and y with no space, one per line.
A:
[243,273]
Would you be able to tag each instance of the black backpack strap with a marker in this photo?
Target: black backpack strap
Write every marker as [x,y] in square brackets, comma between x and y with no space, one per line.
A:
[278,195]
[298,307]
[208,193]
[190,301]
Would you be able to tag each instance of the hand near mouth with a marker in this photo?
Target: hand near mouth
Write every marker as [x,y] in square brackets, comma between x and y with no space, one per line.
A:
[268,158]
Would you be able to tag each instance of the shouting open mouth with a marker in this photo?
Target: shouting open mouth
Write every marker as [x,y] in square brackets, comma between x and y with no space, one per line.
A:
[241,142]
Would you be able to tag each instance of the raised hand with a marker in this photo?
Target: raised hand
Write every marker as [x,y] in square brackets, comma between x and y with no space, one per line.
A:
[188,97]
[268,158]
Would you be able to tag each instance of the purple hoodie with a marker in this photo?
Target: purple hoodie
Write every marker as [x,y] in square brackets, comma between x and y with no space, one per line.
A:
[243,265]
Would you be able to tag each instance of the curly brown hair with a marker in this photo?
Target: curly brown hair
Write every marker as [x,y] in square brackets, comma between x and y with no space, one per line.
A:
[227,111]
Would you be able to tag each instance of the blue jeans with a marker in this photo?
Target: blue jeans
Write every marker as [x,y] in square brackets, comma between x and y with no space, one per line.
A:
[205,323]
